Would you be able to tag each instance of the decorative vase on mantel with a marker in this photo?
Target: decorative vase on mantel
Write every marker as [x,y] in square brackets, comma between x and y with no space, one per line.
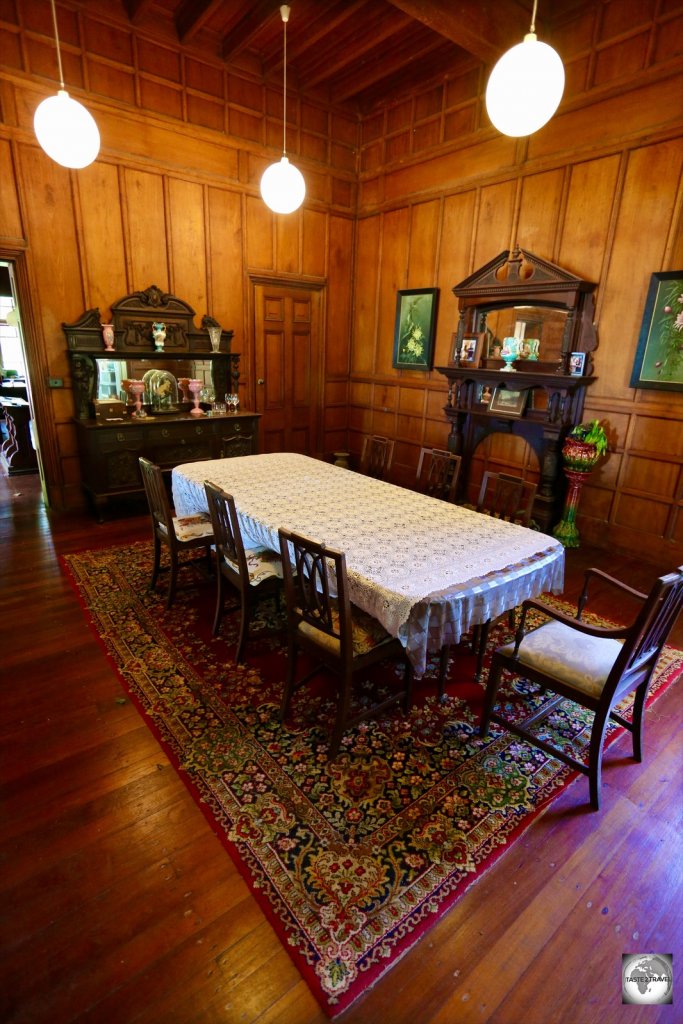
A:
[582,450]
[108,337]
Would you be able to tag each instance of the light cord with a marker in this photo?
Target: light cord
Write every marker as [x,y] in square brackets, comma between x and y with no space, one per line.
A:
[284,93]
[533,18]
[59,56]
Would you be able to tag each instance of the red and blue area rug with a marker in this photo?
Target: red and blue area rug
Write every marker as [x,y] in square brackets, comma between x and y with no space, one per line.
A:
[352,860]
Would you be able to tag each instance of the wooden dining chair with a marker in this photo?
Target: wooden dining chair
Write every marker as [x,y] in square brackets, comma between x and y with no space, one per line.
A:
[254,573]
[376,456]
[511,498]
[175,533]
[594,666]
[437,473]
[339,636]
[507,497]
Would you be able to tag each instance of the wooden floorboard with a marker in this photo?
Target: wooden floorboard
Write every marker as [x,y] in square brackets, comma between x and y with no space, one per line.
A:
[121,905]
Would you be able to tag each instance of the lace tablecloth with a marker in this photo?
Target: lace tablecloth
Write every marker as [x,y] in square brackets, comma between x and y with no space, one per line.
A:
[427,569]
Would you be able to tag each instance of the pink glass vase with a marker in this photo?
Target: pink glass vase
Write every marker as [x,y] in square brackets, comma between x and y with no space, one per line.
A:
[194,387]
[136,388]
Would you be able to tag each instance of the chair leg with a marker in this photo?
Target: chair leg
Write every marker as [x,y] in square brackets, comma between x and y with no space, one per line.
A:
[638,721]
[219,600]
[289,682]
[172,578]
[156,563]
[490,698]
[443,669]
[595,756]
[481,648]
[244,627]
[408,683]
[342,715]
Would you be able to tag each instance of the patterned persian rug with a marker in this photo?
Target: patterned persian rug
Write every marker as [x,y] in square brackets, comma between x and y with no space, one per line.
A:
[356,859]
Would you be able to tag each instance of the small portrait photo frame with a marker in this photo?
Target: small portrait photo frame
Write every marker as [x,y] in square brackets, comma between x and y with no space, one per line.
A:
[471,350]
[577,363]
[484,393]
[508,403]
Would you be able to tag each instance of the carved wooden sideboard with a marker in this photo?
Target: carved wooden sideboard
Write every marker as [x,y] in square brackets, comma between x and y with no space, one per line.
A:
[520,288]
[109,450]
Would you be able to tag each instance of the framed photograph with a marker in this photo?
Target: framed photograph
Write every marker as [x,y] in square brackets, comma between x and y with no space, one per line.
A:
[659,356]
[577,362]
[414,331]
[471,350]
[508,403]
[484,393]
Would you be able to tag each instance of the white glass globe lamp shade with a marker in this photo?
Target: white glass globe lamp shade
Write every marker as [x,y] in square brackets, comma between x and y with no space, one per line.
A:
[283,187]
[66,131]
[525,87]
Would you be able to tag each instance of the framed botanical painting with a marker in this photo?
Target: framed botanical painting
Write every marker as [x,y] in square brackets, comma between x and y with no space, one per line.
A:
[659,356]
[414,331]
[508,403]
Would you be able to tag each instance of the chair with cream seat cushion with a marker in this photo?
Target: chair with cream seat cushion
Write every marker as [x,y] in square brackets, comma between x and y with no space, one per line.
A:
[176,533]
[594,666]
[253,572]
[340,637]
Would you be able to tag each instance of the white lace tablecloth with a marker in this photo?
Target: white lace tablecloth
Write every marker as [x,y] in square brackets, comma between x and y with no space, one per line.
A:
[427,569]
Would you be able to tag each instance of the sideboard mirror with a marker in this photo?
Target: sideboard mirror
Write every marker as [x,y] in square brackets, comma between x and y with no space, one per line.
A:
[103,355]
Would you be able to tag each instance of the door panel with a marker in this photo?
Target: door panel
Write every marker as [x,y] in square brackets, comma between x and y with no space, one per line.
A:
[287,363]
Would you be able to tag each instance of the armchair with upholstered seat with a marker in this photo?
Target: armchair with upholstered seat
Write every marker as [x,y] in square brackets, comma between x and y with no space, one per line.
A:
[254,572]
[594,666]
[175,533]
[339,637]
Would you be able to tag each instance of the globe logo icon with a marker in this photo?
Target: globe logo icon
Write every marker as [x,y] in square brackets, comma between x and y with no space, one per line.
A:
[647,978]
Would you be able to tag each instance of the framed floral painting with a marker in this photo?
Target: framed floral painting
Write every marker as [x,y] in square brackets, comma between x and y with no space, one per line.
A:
[659,356]
[414,331]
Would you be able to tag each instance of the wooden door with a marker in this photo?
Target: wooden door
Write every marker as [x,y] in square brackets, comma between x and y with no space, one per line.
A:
[287,351]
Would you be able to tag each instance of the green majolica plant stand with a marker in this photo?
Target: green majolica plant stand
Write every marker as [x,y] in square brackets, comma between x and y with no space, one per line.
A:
[579,459]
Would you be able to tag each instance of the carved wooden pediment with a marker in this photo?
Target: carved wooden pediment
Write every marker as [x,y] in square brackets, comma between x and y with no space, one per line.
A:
[517,274]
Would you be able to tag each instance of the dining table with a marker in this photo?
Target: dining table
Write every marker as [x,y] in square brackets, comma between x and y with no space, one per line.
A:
[429,570]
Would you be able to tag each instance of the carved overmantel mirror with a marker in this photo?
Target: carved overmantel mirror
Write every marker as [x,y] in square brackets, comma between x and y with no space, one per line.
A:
[540,317]
[520,295]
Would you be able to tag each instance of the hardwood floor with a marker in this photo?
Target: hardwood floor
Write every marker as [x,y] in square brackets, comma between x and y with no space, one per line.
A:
[120,904]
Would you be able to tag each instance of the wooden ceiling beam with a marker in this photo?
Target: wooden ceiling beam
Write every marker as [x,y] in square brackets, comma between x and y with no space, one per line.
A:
[135,9]
[240,36]
[368,73]
[191,17]
[486,28]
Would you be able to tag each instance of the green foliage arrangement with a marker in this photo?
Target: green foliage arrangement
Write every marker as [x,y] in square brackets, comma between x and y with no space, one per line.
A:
[591,433]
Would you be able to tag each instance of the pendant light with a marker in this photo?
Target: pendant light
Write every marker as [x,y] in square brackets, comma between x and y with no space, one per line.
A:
[526,86]
[64,128]
[282,185]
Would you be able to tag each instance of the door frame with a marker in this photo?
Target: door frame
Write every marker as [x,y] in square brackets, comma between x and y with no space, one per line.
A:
[49,467]
[310,285]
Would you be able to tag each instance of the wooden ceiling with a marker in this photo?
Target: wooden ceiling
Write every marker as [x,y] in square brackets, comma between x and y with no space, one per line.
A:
[358,53]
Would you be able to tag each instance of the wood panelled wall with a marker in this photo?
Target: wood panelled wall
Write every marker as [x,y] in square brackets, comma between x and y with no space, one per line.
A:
[172,200]
[418,194]
[598,191]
